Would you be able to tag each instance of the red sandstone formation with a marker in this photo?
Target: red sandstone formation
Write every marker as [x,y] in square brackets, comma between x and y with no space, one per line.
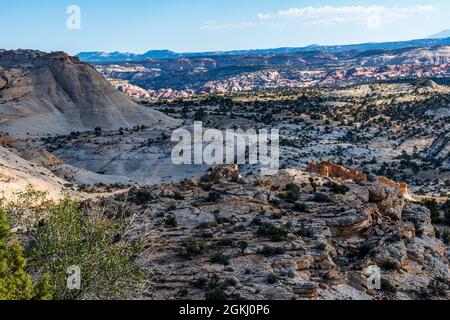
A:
[334,171]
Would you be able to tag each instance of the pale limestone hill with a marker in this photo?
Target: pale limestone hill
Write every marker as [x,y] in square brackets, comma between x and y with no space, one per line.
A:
[53,94]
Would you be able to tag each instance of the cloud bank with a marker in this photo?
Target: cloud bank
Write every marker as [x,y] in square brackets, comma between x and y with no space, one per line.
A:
[371,16]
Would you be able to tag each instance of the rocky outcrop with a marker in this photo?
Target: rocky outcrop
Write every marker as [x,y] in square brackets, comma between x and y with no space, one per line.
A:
[388,199]
[353,223]
[138,93]
[331,170]
[222,173]
[334,171]
[272,248]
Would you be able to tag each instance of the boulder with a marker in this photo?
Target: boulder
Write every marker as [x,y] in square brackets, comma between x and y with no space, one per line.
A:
[221,173]
[388,200]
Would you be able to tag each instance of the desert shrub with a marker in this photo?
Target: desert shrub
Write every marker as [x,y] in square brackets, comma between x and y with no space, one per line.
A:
[216,294]
[171,222]
[272,279]
[447,216]
[192,248]
[213,196]
[221,259]
[386,285]
[300,207]
[433,207]
[338,188]
[437,287]
[178,196]
[141,197]
[15,282]
[225,243]
[200,283]
[313,184]
[219,218]
[292,192]
[243,245]
[26,209]
[200,115]
[321,198]
[272,232]
[91,242]
[269,251]
[446,237]
[172,207]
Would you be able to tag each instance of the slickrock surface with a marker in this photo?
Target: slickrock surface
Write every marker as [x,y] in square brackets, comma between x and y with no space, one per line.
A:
[17,174]
[296,235]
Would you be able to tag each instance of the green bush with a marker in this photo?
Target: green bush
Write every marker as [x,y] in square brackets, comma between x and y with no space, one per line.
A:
[433,207]
[171,222]
[338,188]
[92,242]
[216,294]
[192,248]
[213,196]
[292,192]
[243,245]
[447,216]
[386,285]
[221,259]
[15,282]
[272,232]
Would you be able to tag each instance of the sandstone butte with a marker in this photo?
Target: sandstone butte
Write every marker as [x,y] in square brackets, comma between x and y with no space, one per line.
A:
[334,171]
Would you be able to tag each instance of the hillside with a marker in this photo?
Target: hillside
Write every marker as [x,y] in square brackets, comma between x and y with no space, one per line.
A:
[185,77]
[54,93]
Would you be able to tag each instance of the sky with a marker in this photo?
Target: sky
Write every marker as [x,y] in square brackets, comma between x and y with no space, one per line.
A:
[212,25]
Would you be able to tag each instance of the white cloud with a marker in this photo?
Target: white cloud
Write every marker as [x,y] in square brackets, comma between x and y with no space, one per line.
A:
[370,16]
[264,16]
[213,25]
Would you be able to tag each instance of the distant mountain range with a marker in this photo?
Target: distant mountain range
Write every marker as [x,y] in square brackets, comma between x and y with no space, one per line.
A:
[441,35]
[441,39]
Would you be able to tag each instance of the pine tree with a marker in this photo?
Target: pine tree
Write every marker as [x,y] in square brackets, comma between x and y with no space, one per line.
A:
[15,282]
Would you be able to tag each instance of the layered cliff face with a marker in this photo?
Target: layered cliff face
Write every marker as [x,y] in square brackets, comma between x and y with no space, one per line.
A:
[49,94]
[175,78]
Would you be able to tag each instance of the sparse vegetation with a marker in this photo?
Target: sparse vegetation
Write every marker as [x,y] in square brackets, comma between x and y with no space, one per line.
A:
[171,222]
[216,294]
[15,282]
[272,232]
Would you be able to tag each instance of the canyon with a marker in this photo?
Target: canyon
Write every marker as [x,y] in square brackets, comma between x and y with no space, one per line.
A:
[364,168]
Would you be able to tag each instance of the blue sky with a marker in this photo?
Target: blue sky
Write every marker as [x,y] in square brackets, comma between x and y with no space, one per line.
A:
[203,25]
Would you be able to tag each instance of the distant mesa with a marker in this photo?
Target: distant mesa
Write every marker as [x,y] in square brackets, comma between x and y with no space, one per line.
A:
[425,83]
[441,39]
[118,56]
[441,35]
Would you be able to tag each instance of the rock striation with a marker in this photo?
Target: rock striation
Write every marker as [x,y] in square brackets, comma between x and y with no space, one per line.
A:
[51,94]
